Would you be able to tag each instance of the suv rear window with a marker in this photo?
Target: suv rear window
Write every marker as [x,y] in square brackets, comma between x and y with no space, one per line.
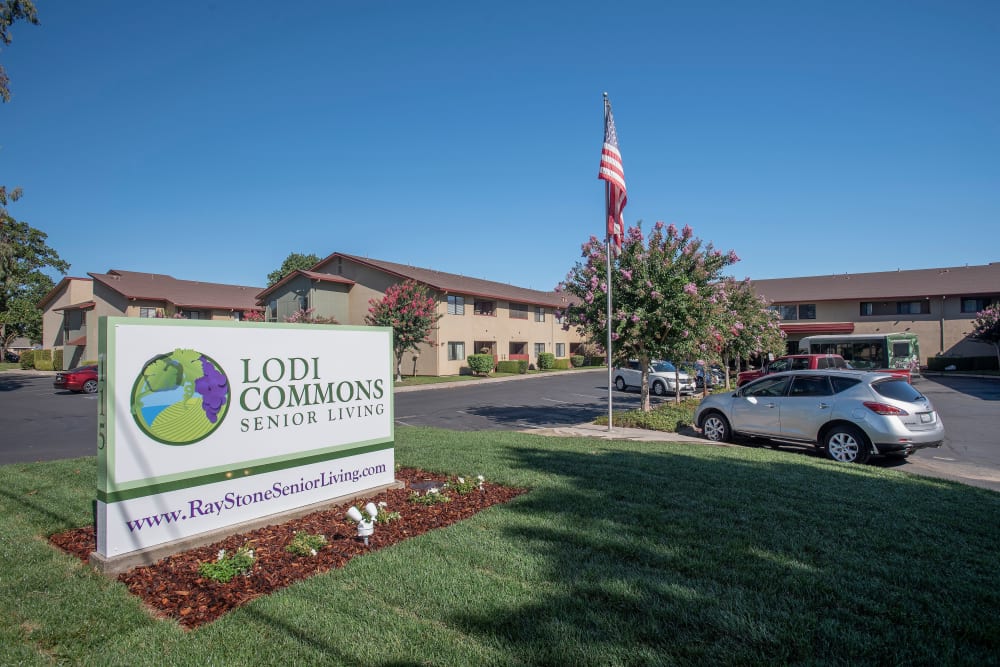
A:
[842,383]
[898,389]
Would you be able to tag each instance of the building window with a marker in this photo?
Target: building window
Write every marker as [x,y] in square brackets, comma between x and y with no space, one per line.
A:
[539,314]
[272,310]
[974,305]
[456,351]
[867,308]
[913,307]
[789,312]
[807,311]
[518,311]
[539,349]
[485,308]
[560,350]
[191,314]
[303,301]
[147,312]
[456,305]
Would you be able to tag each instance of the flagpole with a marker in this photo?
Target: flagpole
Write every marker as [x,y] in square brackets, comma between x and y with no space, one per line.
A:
[607,254]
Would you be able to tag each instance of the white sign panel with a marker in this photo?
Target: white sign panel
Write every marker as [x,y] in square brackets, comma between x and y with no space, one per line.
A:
[206,424]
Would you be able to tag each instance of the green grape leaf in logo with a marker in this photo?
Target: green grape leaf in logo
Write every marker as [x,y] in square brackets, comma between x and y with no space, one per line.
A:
[180,398]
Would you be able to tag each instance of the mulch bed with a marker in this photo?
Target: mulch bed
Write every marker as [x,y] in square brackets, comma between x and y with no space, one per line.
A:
[172,587]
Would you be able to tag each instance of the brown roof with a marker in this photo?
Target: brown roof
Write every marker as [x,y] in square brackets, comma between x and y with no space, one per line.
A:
[312,275]
[84,305]
[452,283]
[952,281]
[182,293]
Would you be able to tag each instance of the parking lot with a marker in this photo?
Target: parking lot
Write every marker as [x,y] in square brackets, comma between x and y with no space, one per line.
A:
[40,423]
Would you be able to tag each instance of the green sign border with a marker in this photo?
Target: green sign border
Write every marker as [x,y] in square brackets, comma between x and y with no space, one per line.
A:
[108,491]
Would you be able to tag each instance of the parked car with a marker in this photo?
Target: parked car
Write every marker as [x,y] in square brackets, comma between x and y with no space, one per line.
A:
[11,357]
[663,378]
[793,362]
[81,379]
[850,415]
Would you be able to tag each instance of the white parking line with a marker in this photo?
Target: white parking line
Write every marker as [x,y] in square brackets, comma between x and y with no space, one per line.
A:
[941,458]
[552,400]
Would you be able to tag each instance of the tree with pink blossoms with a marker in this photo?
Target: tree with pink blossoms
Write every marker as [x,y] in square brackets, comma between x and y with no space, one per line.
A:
[412,314]
[747,324]
[662,290]
[986,327]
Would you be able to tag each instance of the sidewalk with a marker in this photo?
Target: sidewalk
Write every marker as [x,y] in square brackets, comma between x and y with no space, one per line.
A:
[620,433]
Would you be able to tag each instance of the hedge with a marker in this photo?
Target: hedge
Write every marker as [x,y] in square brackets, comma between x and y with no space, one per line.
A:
[509,366]
[546,360]
[480,363]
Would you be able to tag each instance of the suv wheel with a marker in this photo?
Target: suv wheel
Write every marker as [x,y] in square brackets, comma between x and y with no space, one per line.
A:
[659,388]
[620,383]
[846,444]
[716,427]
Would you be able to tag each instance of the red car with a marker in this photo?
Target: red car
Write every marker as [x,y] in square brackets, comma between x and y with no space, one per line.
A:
[79,379]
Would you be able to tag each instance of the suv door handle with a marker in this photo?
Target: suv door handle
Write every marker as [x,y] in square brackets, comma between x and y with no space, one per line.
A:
[823,406]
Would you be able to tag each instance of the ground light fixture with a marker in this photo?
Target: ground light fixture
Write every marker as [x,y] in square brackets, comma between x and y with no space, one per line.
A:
[365,526]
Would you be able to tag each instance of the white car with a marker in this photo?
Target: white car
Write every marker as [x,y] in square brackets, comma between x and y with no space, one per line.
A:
[663,378]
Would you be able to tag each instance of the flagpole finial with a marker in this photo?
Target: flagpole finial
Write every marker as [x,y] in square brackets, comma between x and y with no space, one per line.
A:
[605,95]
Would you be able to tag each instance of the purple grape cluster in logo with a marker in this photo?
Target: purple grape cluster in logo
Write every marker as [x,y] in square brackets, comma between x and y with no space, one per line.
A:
[180,398]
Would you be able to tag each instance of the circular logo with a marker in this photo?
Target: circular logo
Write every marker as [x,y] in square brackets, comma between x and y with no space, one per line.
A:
[180,398]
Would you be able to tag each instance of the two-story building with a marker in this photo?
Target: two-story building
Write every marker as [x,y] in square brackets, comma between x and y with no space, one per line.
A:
[939,305]
[477,315]
[71,309]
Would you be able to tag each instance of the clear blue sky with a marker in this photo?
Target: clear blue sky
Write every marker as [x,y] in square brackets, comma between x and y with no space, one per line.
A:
[209,140]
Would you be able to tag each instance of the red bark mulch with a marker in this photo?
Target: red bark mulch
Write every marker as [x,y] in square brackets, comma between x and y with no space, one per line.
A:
[172,587]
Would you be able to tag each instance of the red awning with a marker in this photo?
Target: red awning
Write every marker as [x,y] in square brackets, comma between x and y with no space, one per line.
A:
[818,328]
[82,340]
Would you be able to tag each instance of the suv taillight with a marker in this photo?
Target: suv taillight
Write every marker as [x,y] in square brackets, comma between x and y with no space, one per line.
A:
[883,409]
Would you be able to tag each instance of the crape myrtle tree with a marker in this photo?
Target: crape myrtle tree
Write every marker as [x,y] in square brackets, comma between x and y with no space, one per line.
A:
[986,327]
[410,311]
[747,325]
[661,290]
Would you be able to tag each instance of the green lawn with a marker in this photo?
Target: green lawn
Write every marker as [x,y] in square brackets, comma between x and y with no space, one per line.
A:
[623,553]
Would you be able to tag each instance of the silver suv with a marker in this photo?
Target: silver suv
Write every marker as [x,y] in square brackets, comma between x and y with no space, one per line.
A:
[850,415]
[664,378]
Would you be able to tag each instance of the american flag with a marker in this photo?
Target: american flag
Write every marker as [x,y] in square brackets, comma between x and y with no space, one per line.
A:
[614,174]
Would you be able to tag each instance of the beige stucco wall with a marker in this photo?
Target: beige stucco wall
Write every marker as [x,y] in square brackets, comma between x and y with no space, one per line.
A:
[943,330]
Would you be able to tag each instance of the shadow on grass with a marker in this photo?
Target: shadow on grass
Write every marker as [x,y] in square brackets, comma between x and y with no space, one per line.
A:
[672,556]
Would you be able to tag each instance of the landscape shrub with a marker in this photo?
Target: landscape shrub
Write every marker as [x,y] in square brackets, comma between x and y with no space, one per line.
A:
[512,366]
[561,364]
[28,359]
[43,360]
[577,360]
[480,363]
[546,360]
[57,359]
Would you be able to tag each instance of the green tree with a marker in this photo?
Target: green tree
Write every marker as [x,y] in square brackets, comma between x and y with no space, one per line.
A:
[662,290]
[748,327]
[10,12]
[24,254]
[294,262]
[986,327]
[412,314]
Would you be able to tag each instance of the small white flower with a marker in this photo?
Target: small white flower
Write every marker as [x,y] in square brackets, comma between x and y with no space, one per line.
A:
[382,503]
[221,554]
[313,551]
[431,490]
[250,553]
[461,480]
[481,478]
